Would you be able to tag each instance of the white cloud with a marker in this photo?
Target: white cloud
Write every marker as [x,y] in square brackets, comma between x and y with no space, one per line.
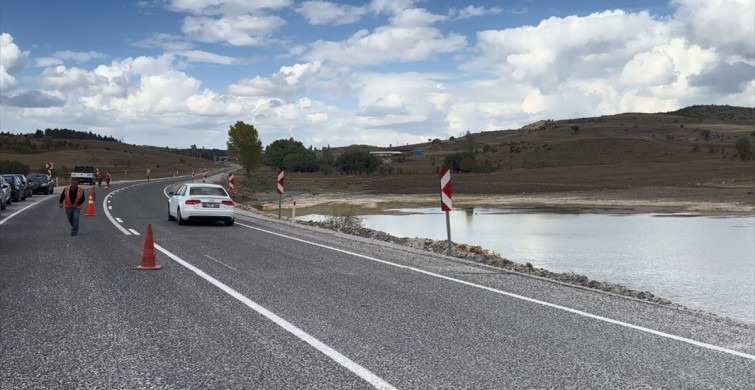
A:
[44,62]
[78,56]
[329,13]
[226,7]
[12,62]
[726,25]
[408,38]
[241,30]
[472,11]
[203,56]
[288,81]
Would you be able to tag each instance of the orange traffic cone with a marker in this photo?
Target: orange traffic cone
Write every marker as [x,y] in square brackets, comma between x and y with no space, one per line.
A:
[90,209]
[148,257]
[94,193]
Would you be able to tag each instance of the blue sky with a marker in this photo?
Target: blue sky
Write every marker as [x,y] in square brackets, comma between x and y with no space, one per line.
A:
[180,72]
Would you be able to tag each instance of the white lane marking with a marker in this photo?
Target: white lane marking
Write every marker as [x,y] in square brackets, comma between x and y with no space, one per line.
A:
[25,208]
[110,217]
[517,296]
[220,262]
[16,213]
[134,232]
[109,207]
[119,220]
[336,356]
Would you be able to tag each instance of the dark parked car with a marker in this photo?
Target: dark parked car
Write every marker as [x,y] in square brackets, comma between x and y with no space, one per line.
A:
[4,194]
[17,187]
[41,183]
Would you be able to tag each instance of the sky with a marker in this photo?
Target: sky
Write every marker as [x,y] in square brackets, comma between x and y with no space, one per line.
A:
[383,72]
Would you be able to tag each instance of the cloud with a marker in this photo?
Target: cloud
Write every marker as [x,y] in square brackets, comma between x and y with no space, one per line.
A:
[472,11]
[725,78]
[289,80]
[78,56]
[408,38]
[226,7]
[203,56]
[44,62]
[393,104]
[726,25]
[242,30]
[168,42]
[32,99]
[12,62]
[328,13]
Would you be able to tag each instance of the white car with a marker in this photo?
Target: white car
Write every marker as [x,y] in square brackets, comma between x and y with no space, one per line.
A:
[201,201]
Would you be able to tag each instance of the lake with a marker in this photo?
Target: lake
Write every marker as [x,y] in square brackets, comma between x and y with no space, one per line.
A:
[702,262]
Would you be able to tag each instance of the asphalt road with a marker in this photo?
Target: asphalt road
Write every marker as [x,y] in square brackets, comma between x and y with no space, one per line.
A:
[266,304]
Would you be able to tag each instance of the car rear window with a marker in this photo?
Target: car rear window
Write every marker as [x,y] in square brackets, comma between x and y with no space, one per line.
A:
[215,191]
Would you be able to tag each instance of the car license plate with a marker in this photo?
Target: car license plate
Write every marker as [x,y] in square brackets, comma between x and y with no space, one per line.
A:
[211,205]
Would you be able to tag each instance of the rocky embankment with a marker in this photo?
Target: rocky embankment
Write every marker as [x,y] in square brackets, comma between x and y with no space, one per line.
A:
[484,256]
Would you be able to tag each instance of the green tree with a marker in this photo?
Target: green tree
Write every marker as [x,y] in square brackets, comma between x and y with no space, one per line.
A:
[744,148]
[244,144]
[357,161]
[291,155]
[469,142]
[327,155]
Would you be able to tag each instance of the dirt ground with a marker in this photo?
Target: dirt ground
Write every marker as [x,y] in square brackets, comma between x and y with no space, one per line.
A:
[700,186]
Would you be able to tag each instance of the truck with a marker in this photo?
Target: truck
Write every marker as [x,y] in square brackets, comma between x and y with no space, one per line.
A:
[85,174]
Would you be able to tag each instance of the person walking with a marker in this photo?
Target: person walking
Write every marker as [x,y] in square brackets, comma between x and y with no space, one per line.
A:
[72,198]
[148,171]
[108,177]
[99,178]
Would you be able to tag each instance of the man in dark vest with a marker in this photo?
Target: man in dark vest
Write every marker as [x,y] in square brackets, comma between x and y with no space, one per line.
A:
[72,198]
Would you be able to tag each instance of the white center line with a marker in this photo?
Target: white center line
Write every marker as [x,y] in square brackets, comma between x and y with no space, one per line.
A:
[119,220]
[134,232]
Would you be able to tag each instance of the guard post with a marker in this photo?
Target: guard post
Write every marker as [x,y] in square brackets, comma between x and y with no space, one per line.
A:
[446,203]
[281,182]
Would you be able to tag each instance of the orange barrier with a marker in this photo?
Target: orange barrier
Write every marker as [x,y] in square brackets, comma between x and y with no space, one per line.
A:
[148,256]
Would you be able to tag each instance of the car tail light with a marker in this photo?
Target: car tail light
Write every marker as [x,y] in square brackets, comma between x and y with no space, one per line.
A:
[228,202]
[193,201]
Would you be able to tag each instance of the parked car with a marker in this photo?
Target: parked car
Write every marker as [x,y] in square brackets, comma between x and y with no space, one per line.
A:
[41,183]
[201,201]
[26,183]
[4,193]
[18,188]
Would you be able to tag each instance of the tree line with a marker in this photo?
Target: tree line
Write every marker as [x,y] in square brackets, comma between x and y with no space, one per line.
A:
[291,155]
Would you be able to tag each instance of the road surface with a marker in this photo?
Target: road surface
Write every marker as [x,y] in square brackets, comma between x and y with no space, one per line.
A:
[266,304]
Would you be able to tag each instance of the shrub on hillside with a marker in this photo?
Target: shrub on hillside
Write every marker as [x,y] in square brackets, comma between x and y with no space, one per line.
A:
[744,148]
[8,166]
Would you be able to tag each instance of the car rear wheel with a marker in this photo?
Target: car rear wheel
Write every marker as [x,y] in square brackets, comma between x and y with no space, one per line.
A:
[178,217]
[229,222]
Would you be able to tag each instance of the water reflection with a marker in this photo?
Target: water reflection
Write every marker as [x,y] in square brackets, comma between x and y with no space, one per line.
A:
[705,263]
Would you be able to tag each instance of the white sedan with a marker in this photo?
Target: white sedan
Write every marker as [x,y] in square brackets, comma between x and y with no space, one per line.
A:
[201,201]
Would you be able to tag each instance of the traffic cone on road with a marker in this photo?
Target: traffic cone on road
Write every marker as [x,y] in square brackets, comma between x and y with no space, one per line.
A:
[148,256]
[90,209]
[94,193]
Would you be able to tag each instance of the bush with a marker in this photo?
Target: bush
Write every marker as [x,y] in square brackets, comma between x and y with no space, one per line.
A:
[357,161]
[744,148]
[8,166]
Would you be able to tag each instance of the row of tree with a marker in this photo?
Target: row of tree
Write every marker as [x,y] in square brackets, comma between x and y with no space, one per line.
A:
[288,154]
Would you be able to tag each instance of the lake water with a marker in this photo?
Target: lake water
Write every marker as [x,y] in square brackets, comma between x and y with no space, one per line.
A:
[701,262]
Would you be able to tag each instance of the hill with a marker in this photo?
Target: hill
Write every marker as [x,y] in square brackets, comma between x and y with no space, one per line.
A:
[123,160]
[688,155]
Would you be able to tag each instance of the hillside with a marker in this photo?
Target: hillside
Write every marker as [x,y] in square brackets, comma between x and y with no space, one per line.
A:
[123,160]
[687,155]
